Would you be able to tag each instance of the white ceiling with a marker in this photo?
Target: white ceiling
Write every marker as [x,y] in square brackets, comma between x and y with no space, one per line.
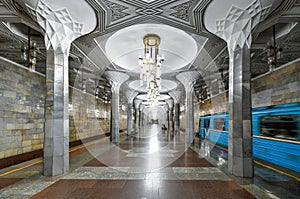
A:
[124,47]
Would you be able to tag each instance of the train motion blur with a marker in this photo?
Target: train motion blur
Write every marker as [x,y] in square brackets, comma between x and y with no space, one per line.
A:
[275,133]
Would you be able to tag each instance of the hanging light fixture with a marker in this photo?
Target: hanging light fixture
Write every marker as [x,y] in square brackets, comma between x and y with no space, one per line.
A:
[274,52]
[29,53]
[150,64]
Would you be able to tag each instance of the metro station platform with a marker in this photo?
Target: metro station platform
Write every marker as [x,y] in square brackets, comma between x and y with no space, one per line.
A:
[145,167]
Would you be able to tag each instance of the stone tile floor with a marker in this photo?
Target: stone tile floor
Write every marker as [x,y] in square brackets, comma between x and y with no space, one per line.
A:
[159,166]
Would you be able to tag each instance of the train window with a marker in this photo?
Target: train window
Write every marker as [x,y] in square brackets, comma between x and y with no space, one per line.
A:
[279,126]
[219,124]
[206,123]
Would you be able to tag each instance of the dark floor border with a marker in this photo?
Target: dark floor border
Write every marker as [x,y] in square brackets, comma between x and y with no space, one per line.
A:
[86,140]
[17,159]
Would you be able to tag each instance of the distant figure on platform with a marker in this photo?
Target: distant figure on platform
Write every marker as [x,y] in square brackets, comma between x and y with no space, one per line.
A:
[163,127]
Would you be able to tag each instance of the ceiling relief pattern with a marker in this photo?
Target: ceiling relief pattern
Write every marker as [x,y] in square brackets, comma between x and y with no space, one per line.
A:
[182,11]
[101,13]
[118,10]
[149,11]
[148,1]
[198,11]
[176,13]
[14,8]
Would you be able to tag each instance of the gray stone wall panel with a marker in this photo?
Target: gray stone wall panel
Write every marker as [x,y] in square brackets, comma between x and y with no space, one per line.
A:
[22,101]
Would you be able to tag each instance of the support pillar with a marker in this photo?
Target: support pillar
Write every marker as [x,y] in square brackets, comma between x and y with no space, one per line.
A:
[176,95]
[240,130]
[116,79]
[170,114]
[136,119]
[141,114]
[130,95]
[167,109]
[188,79]
[176,117]
[60,29]
[235,28]
[137,104]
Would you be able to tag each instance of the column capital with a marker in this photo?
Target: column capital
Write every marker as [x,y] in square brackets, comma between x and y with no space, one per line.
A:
[166,107]
[116,79]
[188,79]
[137,103]
[142,106]
[130,95]
[61,23]
[176,95]
[170,103]
[238,19]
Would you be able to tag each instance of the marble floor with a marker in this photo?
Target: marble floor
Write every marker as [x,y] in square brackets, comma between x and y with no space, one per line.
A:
[150,164]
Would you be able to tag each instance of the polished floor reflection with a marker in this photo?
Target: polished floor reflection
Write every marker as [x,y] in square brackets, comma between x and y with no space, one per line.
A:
[149,164]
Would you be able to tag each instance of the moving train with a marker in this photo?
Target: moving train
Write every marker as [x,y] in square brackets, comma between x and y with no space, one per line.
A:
[275,131]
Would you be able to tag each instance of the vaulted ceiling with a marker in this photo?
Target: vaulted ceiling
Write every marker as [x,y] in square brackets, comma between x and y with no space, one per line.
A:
[88,58]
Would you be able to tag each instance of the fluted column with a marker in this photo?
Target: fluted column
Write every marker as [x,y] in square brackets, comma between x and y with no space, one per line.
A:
[60,29]
[116,79]
[176,95]
[130,95]
[188,79]
[167,112]
[137,103]
[141,118]
[170,114]
[235,28]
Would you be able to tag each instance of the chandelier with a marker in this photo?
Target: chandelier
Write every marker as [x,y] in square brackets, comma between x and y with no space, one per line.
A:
[29,53]
[274,52]
[150,64]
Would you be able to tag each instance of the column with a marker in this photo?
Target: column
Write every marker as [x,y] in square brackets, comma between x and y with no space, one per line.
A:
[188,79]
[240,129]
[59,31]
[167,109]
[176,95]
[137,103]
[130,95]
[116,79]
[170,114]
[141,114]
[235,28]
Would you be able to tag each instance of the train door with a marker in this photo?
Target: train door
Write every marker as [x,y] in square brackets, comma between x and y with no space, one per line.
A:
[206,124]
[203,126]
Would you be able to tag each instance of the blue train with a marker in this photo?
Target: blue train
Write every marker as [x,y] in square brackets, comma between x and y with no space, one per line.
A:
[275,130]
